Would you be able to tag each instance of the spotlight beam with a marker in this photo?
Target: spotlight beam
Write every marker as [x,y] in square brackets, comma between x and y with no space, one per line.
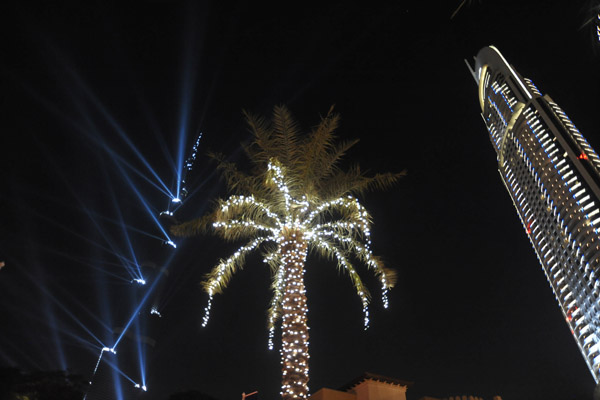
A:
[128,227]
[70,314]
[91,215]
[125,261]
[141,353]
[123,228]
[150,211]
[137,310]
[115,125]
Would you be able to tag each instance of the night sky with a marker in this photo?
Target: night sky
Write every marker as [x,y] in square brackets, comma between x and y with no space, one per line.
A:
[85,84]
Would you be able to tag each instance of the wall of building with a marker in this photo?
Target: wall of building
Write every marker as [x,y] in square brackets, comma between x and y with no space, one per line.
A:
[375,390]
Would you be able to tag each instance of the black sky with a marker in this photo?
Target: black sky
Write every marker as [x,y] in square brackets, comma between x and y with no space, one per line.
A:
[472,312]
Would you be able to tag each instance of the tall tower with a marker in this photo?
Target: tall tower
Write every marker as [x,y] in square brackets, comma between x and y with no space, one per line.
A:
[553,178]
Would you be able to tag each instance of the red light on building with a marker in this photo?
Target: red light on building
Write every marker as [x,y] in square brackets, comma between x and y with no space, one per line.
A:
[583,156]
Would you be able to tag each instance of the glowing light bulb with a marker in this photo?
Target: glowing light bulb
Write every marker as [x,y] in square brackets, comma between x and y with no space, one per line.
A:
[143,387]
[154,311]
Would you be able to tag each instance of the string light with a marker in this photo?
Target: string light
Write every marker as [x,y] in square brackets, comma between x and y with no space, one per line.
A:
[339,228]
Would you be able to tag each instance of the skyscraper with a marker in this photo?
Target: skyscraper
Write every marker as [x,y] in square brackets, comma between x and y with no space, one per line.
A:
[553,177]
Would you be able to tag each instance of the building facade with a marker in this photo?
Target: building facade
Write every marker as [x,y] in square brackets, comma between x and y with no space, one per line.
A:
[553,177]
[370,386]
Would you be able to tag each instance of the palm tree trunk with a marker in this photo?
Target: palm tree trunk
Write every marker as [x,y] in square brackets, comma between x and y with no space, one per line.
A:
[294,332]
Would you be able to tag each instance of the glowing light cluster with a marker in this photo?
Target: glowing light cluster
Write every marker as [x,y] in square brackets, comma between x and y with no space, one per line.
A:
[278,292]
[182,191]
[104,349]
[338,238]
[143,387]
[294,341]
[290,224]
[154,311]
[189,163]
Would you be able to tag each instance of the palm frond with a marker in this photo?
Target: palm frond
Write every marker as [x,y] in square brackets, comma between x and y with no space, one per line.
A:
[462,3]
[384,181]
[277,287]
[354,181]
[263,146]
[318,148]
[194,227]
[331,250]
[218,278]
[236,180]
[275,309]
[328,165]
[286,137]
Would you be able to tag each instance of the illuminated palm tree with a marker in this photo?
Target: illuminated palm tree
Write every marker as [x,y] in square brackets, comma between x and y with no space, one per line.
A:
[296,198]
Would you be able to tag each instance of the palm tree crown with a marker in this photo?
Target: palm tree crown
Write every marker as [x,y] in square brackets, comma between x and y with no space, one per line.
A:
[295,199]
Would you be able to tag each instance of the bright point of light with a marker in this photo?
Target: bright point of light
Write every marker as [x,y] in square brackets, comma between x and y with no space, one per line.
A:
[170,243]
[176,200]
[144,388]
[155,311]
[111,349]
[166,213]
[140,281]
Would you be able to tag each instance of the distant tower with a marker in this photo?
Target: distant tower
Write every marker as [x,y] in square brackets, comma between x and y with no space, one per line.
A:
[553,177]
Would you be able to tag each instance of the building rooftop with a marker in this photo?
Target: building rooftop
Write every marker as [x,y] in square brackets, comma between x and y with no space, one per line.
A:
[374,377]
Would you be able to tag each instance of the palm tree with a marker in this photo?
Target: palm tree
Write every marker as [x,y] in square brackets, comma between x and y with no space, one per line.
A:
[294,199]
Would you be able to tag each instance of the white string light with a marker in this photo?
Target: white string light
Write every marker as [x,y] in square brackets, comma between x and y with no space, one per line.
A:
[338,227]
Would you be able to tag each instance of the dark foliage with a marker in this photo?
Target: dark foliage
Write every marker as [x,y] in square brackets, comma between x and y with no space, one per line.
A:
[40,385]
